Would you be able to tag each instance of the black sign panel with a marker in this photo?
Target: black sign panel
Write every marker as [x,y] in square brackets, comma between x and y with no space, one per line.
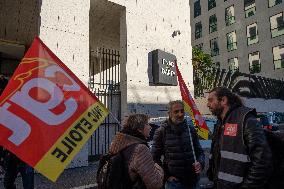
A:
[163,67]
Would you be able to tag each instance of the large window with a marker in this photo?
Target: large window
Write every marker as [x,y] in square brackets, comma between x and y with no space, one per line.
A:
[212,23]
[278,57]
[252,36]
[249,8]
[198,30]
[233,64]
[214,47]
[272,3]
[277,25]
[211,4]
[230,15]
[232,41]
[254,63]
[197,8]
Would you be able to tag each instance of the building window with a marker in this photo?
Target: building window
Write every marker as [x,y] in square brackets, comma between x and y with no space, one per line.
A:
[212,23]
[199,46]
[230,15]
[231,41]
[277,25]
[249,8]
[211,4]
[254,63]
[278,57]
[198,30]
[214,47]
[252,36]
[272,3]
[197,8]
[233,64]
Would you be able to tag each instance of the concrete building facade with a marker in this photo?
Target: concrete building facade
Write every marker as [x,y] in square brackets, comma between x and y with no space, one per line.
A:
[246,35]
[75,30]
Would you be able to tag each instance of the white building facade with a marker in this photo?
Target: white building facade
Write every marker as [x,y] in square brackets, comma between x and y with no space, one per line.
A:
[107,44]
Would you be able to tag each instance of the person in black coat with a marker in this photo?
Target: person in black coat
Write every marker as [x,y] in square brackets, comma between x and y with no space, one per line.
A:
[173,141]
[276,143]
[240,155]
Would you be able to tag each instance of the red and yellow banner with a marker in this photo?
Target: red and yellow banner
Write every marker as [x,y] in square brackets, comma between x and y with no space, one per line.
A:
[46,113]
[190,107]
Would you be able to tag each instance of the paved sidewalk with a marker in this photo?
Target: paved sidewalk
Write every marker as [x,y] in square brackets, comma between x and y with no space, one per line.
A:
[70,178]
[76,178]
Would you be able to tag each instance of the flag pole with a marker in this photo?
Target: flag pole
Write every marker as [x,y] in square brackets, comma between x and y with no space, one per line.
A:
[191,143]
[111,114]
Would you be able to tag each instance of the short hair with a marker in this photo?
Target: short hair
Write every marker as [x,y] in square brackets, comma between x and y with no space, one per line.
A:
[233,99]
[172,103]
[135,122]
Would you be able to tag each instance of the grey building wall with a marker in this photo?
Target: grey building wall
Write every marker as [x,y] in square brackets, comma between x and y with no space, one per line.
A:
[264,46]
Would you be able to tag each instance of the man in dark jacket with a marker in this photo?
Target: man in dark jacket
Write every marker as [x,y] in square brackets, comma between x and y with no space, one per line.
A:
[240,155]
[172,140]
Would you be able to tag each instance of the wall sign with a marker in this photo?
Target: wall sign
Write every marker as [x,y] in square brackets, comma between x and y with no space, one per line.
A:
[163,68]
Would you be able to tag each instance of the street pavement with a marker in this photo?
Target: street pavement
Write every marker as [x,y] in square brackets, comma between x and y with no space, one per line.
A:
[76,178]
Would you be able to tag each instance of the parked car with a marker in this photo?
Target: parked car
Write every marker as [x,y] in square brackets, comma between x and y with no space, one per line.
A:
[156,122]
[271,120]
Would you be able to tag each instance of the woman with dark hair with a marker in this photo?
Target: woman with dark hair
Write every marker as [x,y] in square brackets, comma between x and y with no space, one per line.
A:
[141,168]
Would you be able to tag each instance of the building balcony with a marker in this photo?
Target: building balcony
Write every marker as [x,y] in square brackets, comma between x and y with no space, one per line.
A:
[277,31]
[198,34]
[212,28]
[250,12]
[278,64]
[232,46]
[230,20]
[215,52]
[252,40]
[255,68]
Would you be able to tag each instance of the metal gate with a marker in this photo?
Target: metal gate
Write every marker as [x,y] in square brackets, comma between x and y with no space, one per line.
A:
[104,82]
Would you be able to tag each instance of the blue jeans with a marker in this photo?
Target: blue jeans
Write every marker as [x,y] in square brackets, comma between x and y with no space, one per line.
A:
[178,185]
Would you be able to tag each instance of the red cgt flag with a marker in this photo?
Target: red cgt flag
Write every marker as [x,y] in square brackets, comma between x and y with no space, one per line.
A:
[190,107]
[46,113]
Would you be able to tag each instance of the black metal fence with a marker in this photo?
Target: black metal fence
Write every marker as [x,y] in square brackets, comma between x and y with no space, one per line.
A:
[244,84]
[104,82]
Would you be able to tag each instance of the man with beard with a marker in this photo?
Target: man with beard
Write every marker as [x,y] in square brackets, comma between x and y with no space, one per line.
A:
[172,140]
[240,155]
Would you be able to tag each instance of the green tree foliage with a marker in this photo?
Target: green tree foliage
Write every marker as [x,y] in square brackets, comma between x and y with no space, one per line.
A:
[200,60]
[202,65]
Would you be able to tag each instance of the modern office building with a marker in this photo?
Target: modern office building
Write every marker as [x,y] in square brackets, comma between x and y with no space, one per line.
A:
[246,35]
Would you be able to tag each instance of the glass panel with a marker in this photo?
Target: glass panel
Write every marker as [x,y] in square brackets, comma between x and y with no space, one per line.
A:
[197,8]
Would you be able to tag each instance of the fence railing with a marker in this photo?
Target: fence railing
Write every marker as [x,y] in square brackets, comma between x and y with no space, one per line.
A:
[244,84]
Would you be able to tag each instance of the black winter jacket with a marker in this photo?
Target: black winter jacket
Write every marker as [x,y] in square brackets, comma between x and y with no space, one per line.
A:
[260,167]
[173,143]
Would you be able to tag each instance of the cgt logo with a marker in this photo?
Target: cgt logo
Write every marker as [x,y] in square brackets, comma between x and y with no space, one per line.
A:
[27,99]
[231,129]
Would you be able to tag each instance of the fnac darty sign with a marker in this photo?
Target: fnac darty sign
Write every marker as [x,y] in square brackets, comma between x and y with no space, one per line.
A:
[163,68]
[167,69]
